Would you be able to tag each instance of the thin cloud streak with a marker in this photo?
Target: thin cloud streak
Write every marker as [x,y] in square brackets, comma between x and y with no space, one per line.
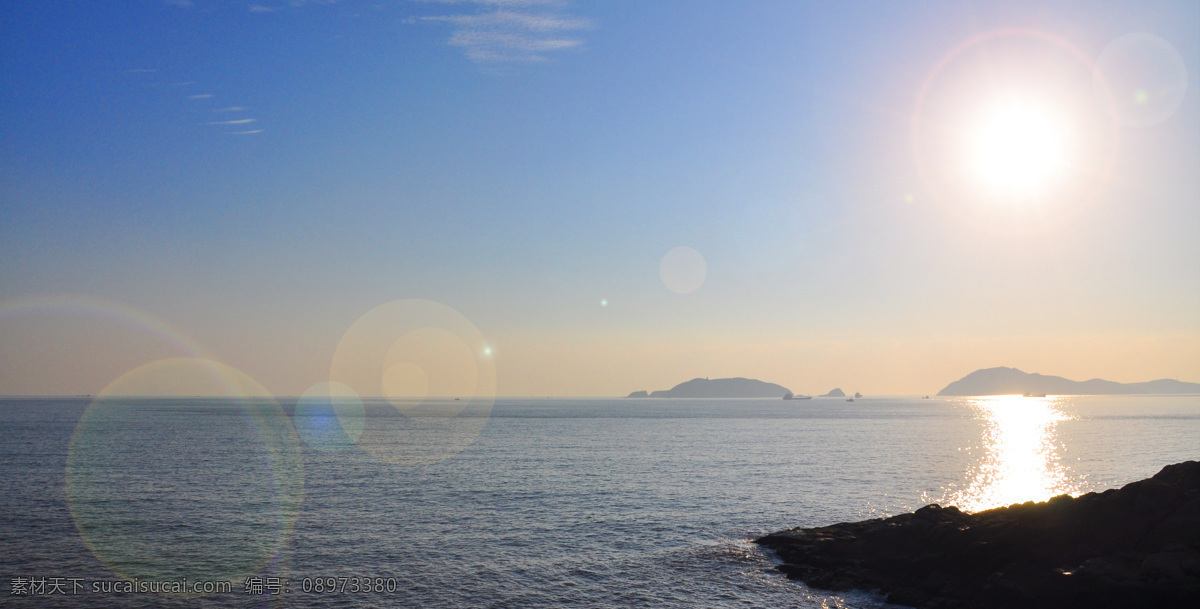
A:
[203,104]
[497,2]
[259,8]
[501,35]
[500,47]
[516,21]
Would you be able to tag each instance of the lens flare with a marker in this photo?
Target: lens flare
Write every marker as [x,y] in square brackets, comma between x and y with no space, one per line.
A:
[427,379]
[155,500]
[1147,76]
[683,270]
[95,308]
[329,417]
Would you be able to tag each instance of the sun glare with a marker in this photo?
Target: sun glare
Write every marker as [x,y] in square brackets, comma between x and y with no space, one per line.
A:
[1018,150]
[1021,462]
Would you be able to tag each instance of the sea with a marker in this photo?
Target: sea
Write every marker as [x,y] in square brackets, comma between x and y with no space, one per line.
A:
[195,502]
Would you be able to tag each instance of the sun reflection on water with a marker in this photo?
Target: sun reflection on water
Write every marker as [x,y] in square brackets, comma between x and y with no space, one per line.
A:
[1021,462]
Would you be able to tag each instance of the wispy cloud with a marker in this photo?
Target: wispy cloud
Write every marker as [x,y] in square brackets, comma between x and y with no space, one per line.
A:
[498,2]
[512,31]
[511,20]
[283,5]
[232,116]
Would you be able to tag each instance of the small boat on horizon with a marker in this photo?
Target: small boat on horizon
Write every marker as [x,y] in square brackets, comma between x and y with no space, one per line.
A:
[1034,395]
[849,399]
[790,396]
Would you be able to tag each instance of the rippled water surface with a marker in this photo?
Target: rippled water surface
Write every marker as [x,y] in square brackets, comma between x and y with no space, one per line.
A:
[555,502]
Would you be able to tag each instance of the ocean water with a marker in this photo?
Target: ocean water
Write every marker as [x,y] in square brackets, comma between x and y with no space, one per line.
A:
[531,503]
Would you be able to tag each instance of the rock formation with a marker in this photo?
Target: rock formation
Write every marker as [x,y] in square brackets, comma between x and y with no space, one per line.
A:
[719,388]
[1138,546]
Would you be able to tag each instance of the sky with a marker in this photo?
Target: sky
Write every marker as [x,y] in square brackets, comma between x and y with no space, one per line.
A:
[593,198]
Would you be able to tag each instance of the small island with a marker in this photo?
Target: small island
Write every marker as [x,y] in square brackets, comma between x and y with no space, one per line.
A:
[835,393]
[718,388]
[1010,381]
[1138,546]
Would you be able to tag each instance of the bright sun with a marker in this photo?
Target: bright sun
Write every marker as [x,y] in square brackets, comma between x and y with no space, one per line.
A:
[1017,149]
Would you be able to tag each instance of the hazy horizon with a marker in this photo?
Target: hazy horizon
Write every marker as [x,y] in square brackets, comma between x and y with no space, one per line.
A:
[580,199]
[220,392]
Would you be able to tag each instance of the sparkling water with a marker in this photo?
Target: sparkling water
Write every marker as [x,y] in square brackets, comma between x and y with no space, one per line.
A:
[555,502]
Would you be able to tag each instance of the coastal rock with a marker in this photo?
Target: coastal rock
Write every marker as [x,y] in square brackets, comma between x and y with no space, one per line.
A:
[836,393]
[638,394]
[1138,546]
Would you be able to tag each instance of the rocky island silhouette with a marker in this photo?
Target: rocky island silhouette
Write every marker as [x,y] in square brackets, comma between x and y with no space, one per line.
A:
[718,388]
[1010,381]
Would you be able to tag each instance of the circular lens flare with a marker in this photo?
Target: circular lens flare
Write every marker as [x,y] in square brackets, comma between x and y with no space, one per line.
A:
[329,417]
[1148,77]
[683,270]
[160,493]
[426,377]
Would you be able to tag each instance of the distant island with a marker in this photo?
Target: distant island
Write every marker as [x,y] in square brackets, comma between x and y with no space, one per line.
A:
[1009,381]
[718,388]
[836,393]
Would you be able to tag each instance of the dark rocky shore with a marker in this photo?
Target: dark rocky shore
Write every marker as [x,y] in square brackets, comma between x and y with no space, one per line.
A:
[1137,546]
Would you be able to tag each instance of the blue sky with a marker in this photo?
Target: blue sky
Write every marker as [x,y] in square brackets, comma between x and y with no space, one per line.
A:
[258,175]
